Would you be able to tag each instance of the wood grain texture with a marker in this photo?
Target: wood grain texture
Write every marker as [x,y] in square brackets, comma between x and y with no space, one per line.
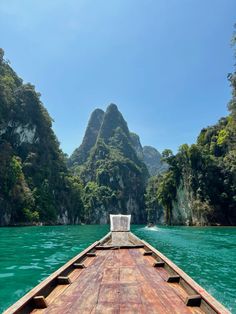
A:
[119,281]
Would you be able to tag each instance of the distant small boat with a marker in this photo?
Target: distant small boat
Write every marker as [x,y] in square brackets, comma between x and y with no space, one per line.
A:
[150,225]
[118,274]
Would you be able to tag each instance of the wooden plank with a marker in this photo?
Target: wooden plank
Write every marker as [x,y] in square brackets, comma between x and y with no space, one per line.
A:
[214,304]
[124,258]
[105,239]
[125,291]
[121,280]
[109,247]
[127,274]
[157,293]
[129,293]
[109,293]
[75,274]
[55,293]
[133,309]
[151,300]
[106,308]
[29,296]
[110,275]
[40,302]
[63,280]
[79,265]
[193,300]
[82,295]
[173,278]
[145,253]
[158,264]
[91,254]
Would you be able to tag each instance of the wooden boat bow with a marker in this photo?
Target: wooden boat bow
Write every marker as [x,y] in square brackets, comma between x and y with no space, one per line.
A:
[118,274]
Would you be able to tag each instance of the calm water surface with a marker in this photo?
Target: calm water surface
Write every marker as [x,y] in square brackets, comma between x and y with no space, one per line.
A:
[29,254]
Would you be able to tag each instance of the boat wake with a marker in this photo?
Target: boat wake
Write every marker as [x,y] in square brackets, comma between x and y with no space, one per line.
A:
[154,228]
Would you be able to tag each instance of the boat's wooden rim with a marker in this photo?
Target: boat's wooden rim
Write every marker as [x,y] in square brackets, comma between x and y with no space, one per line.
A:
[213,303]
[186,281]
[36,290]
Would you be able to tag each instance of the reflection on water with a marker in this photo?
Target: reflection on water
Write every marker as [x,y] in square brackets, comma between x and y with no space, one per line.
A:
[30,254]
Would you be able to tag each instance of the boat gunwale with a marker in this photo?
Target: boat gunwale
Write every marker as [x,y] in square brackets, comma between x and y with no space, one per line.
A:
[28,297]
[18,305]
[209,299]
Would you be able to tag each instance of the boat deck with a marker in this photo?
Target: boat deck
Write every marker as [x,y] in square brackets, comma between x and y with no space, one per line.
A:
[118,274]
[118,281]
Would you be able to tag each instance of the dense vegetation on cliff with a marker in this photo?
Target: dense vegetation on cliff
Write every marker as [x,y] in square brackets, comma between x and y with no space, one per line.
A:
[114,177]
[200,185]
[34,182]
[110,172]
[106,173]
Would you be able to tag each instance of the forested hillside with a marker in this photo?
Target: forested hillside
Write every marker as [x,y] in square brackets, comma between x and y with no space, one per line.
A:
[110,172]
[34,182]
[200,186]
[114,177]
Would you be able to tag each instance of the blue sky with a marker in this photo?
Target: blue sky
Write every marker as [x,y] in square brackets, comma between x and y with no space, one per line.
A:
[163,62]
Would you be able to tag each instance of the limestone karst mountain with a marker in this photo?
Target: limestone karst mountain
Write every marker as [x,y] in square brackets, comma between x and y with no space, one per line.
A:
[81,154]
[113,172]
[34,182]
[153,160]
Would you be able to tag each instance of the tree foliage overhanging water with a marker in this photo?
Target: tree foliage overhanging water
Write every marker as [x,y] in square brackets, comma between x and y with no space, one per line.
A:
[108,172]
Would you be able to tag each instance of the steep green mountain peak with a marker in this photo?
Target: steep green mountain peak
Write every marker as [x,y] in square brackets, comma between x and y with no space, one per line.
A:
[113,119]
[35,184]
[113,176]
[81,154]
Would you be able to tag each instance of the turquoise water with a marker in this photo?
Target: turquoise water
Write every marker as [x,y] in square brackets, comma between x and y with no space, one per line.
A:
[29,254]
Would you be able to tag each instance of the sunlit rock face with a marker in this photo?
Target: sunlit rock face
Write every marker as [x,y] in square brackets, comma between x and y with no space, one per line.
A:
[33,175]
[188,210]
[153,160]
[111,158]
[81,154]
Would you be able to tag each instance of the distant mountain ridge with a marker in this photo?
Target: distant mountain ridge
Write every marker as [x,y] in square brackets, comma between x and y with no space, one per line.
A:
[153,160]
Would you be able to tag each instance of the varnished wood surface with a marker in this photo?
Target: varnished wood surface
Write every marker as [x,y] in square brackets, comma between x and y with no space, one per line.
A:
[119,281]
[211,305]
[134,278]
[24,304]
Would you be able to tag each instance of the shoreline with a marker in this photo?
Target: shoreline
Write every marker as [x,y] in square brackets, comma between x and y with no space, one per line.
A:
[41,224]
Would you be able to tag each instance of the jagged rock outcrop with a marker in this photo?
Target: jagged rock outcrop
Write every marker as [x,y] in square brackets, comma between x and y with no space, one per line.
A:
[34,182]
[149,155]
[152,159]
[81,154]
[113,175]
[187,210]
[137,145]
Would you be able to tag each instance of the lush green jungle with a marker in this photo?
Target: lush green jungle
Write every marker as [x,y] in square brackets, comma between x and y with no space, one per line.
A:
[110,172]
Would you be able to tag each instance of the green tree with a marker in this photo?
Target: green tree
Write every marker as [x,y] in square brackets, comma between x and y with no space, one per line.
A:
[166,193]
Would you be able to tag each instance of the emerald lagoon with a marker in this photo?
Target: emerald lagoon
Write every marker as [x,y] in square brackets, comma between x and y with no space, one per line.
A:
[30,254]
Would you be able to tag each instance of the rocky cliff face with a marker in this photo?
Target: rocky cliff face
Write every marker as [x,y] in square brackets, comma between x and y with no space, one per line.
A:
[152,159]
[113,175]
[187,210]
[34,182]
[149,155]
[81,154]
